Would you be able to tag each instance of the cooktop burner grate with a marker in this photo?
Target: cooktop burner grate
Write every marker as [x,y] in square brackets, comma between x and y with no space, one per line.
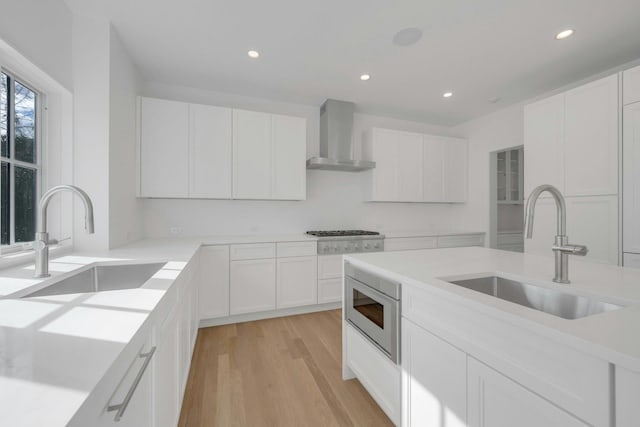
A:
[342,233]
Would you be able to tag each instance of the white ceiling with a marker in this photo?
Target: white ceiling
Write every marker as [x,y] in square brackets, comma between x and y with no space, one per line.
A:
[312,50]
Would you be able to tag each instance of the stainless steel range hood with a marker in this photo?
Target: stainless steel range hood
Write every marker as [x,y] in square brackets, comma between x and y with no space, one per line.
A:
[336,153]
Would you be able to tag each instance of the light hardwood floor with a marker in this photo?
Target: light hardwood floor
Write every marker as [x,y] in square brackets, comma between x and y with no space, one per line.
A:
[275,372]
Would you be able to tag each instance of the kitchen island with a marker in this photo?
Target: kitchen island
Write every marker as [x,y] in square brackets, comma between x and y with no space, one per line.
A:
[469,358]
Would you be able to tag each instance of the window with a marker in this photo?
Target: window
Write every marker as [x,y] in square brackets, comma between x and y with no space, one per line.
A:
[19,166]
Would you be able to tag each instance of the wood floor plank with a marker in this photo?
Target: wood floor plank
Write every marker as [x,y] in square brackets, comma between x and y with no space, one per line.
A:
[275,372]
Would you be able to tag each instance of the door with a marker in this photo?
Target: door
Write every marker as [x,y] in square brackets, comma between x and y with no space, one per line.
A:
[384,176]
[543,143]
[251,155]
[138,411]
[455,170]
[252,286]
[214,282]
[497,401]
[165,373]
[409,178]
[297,281]
[631,82]
[631,178]
[433,165]
[210,143]
[434,380]
[289,139]
[593,221]
[164,152]
[591,139]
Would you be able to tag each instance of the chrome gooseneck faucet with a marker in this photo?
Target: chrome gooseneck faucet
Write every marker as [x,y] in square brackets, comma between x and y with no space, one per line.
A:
[41,244]
[561,247]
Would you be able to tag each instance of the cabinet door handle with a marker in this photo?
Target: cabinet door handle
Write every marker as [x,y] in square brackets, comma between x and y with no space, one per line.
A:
[121,407]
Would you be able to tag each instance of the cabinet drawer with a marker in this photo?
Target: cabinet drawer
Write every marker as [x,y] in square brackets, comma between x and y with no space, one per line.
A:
[631,260]
[546,366]
[408,243]
[252,251]
[376,372]
[510,239]
[464,240]
[329,266]
[288,249]
[329,290]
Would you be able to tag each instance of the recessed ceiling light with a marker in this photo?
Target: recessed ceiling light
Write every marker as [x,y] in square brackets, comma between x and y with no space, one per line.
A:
[407,36]
[447,94]
[254,54]
[564,34]
[365,77]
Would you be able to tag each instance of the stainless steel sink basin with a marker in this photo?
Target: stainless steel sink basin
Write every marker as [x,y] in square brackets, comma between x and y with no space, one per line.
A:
[557,303]
[101,278]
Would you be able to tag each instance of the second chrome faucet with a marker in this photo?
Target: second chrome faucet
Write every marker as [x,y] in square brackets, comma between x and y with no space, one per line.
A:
[561,247]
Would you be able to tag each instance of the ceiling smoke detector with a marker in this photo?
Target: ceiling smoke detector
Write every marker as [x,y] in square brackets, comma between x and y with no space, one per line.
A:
[407,37]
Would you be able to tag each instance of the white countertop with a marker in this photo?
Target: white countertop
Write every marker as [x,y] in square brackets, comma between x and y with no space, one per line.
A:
[613,336]
[427,233]
[54,350]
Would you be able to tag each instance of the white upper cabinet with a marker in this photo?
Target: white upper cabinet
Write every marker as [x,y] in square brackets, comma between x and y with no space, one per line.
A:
[631,85]
[251,155]
[433,169]
[209,152]
[631,178]
[413,167]
[409,167]
[543,143]
[397,176]
[571,140]
[454,174]
[289,158]
[269,154]
[591,139]
[164,158]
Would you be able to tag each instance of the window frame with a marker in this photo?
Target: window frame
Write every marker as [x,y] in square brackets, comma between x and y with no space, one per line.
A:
[40,107]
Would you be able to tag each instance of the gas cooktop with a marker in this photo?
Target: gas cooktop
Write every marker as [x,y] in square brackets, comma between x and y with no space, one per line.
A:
[336,242]
[342,233]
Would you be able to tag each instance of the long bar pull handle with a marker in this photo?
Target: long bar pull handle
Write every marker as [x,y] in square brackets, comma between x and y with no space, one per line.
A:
[121,407]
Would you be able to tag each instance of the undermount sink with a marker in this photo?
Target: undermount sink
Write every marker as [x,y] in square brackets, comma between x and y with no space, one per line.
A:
[101,278]
[557,303]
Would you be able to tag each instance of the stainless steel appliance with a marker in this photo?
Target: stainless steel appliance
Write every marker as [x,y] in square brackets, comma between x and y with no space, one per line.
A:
[335,242]
[336,127]
[372,306]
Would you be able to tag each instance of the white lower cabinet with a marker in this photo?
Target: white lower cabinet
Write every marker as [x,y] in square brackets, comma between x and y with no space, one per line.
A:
[297,281]
[329,290]
[329,266]
[627,392]
[434,380]
[497,401]
[213,289]
[165,373]
[377,373]
[137,411]
[252,285]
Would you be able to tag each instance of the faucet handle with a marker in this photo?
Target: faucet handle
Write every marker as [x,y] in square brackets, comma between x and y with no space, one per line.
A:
[579,250]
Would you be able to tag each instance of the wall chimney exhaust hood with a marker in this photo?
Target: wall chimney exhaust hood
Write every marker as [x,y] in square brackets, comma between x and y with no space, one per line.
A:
[336,152]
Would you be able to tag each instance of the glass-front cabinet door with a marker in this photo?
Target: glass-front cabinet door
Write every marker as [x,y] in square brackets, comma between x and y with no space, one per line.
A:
[510,170]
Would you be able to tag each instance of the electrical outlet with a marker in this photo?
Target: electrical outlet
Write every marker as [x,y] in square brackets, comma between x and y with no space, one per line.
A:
[175,231]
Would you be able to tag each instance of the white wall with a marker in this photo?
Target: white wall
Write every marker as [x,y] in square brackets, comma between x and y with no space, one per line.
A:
[124,208]
[41,32]
[91,126]
[499,130]
[334,199]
